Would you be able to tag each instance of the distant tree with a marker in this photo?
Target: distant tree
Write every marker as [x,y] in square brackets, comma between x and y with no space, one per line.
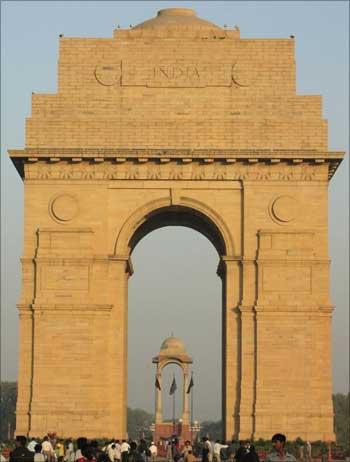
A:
[342,419]
[8,398]
[139,422]
[213,429]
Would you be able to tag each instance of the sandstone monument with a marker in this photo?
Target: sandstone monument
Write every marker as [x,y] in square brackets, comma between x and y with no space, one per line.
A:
[176,121]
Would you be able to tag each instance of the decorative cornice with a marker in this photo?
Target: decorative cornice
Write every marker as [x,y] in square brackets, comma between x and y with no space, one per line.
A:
[94,153]
[203,158]
[197,170]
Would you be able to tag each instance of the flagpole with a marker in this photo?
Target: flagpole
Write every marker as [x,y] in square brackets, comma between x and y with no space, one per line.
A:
[192,410]
[174,408]
[155,402]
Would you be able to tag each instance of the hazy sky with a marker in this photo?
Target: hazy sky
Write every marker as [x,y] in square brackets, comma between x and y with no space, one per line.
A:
[175,287]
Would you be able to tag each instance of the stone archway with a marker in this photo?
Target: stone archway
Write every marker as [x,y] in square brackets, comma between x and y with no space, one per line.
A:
[193,213]
[215,135]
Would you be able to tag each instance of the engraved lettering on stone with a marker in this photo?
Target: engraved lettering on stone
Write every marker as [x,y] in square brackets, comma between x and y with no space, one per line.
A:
[175,72]
[185,74]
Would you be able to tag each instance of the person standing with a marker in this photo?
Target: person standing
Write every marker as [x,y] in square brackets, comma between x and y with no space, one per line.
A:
[240,453]
[218,450]
[31,445]
[279,454]
[143,449]
[250,455]
[187,447]
[308,451]
[153,451]
[21,453]
[69,455]
[38,456]
[206,449]
[124,451]
[47,450]
[169,452]
[118,451]
[133,453]
[112,453]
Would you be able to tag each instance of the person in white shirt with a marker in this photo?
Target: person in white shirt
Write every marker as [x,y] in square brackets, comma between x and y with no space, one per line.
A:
[217,450]
[47,450]
[112,455]
[124,450]
[118,450]
[154,452]
[31,445]
[38,456]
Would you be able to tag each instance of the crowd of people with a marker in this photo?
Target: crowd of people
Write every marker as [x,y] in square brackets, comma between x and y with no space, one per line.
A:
[83,450]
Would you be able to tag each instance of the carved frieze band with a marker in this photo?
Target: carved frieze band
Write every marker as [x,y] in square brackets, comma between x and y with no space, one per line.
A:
[174,170]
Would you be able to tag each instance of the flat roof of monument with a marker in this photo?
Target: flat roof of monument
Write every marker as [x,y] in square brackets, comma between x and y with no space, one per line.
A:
[178,18]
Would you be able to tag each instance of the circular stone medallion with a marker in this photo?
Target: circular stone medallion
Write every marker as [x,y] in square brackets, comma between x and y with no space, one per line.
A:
[107,75]
[284,209]
[243,75]
[64,207]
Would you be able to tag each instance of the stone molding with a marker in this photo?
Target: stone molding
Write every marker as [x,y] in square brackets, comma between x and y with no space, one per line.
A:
[81,307]
[176,170]
[178,158]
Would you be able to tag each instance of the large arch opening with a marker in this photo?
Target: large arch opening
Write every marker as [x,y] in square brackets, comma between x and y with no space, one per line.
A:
[175,289]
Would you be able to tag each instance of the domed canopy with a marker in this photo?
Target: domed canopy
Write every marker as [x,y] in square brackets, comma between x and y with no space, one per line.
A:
[173,345]
[177,18]
[173,348]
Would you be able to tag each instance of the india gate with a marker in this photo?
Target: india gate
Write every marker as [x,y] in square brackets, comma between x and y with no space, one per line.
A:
[176,121]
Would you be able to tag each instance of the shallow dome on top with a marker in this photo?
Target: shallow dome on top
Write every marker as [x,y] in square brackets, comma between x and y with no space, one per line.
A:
[173,345]
[177,18]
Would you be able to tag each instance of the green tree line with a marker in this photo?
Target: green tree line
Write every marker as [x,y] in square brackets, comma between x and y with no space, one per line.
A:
[139,420]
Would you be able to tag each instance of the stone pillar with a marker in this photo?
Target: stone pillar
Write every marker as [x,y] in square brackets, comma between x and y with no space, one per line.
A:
[230,272]
[159,409]
[248,351]
[120,271]
[24,370]
[185,412]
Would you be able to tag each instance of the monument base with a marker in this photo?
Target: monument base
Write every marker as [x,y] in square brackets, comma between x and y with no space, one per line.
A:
[167,430]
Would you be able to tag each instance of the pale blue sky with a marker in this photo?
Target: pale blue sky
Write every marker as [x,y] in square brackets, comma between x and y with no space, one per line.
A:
[29,47]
